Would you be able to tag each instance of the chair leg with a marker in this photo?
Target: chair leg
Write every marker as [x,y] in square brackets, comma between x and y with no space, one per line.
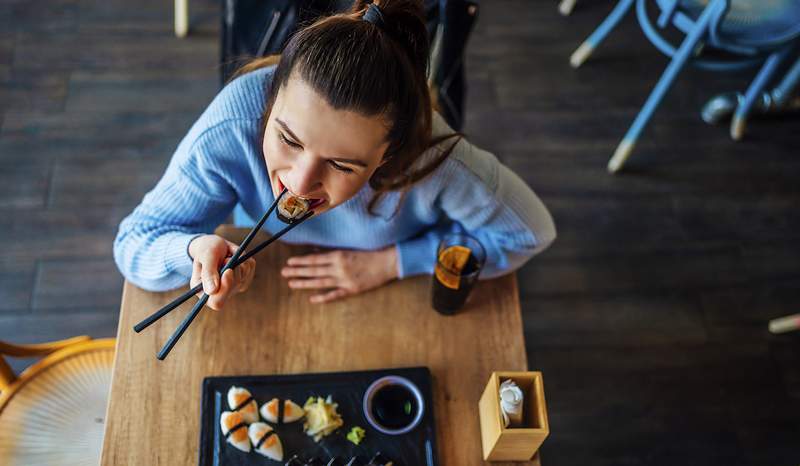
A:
[754,92]
[785,324]
[181,17]
[681,57]
[786,87]
[566,6]
[587,47]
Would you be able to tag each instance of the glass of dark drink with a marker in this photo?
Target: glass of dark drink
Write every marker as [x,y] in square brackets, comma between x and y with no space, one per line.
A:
[459,261]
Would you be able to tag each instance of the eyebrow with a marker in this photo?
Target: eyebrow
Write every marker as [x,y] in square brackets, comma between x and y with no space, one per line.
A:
[336,159]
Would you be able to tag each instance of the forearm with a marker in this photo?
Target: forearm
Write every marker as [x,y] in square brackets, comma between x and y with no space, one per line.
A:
[154,258]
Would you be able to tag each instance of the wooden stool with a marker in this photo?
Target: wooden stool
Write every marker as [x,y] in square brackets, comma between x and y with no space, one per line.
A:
[54,412]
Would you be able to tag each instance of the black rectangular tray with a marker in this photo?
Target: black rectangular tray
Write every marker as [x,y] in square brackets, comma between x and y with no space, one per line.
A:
[416,448]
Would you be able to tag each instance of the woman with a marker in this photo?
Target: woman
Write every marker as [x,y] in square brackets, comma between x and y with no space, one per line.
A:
[343,120]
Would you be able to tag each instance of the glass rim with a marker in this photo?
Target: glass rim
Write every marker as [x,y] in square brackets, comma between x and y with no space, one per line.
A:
[481,259]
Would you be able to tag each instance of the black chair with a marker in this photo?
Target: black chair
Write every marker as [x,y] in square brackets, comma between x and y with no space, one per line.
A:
[257,28]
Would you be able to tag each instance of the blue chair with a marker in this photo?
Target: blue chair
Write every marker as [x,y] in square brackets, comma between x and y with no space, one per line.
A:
[780,99]
[751,33]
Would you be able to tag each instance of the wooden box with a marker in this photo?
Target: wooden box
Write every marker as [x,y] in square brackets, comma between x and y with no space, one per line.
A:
[515,443]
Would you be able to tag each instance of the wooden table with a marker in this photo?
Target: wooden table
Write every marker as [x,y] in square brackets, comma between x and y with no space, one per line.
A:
[154,408]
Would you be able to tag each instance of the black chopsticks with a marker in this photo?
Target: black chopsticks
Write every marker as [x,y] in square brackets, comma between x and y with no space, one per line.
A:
[232,263]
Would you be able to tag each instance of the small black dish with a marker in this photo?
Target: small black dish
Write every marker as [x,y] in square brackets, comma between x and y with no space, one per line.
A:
[393,405]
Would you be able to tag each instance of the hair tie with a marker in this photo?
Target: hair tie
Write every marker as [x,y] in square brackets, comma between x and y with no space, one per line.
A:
[374,15]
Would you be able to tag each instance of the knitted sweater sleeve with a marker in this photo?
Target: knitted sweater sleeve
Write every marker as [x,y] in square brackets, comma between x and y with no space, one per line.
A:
[193,197]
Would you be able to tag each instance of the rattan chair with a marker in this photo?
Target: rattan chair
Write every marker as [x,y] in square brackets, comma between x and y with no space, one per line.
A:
[53,413]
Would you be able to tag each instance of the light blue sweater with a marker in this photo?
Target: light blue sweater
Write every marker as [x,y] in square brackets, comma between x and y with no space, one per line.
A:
[219,167]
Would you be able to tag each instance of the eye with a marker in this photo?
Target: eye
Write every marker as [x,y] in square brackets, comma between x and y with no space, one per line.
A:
[289,143]
[339,167]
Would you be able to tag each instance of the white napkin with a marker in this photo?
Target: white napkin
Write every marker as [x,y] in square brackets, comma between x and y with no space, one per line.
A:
[511,398]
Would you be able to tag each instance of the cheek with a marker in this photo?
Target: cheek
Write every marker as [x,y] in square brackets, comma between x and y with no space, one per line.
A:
[274,155]
[343,187]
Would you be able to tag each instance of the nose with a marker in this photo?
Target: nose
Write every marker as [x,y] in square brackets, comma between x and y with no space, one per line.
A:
[305,176]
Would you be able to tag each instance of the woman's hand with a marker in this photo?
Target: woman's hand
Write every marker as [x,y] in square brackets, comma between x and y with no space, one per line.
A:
[341,273]
[210,253]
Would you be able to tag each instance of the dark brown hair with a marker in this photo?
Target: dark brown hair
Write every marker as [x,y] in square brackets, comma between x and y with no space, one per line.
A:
[375,70]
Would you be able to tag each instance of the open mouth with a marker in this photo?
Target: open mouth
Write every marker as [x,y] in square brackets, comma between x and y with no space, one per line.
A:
[311,201]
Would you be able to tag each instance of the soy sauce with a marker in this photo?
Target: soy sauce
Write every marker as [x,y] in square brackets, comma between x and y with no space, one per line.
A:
[394,406]
[448,300]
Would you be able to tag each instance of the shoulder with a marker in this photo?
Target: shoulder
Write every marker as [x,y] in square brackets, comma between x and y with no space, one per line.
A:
[231,122]
[243,98]
[465,159]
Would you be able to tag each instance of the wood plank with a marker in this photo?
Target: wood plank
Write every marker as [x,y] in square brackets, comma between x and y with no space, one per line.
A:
[697,223]
[590,321]
[16,286]
[104,92]
[59,234]
[24,184]
[611,275]
[91,182]
[389,327]
[53,17]
[25,90]
[77,284]
[98,135]
[783,350]
[636,399]
[34,52]
[727,173]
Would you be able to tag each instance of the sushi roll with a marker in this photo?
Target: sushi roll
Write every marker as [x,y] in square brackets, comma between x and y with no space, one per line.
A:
[291,207]
[234,428]
[279,411]
[265,441]
[240,400]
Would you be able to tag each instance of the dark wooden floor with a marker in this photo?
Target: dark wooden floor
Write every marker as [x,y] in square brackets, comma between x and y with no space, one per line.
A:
[648,316]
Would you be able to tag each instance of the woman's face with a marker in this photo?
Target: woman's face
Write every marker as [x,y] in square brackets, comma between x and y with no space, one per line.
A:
[317,152]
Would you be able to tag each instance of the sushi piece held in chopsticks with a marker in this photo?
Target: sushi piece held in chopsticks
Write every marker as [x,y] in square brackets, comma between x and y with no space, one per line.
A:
[234,428]
[279,411]
[240,400]
[291,207]
[265,441]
